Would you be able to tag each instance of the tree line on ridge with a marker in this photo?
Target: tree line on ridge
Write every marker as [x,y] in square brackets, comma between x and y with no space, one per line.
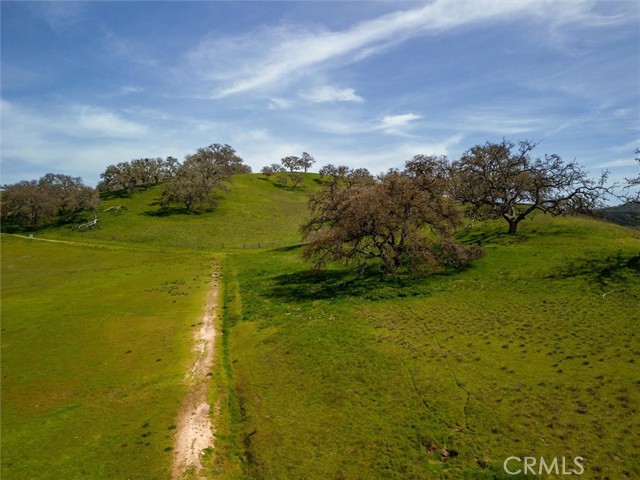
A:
[403,219]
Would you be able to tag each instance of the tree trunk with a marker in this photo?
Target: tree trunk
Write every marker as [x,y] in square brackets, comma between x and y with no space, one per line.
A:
[513,227]
[397,261]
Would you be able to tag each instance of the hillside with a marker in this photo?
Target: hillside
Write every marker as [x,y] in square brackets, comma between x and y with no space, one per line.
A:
[253,213]
[627,214]
[531,351]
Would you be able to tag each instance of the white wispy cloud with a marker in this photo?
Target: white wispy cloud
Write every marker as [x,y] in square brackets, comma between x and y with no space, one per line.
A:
[129,89]
[274,56]
[396,123]
[616,163]
[60,14]
[79,140]
[504,122]
[272,147]
[328,93]
[391,155]
[336,124]
[628,147]
[132,51]
[279,104]
[83,120]
[71,121]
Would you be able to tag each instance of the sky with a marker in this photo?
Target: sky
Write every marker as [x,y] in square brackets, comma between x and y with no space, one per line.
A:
[363,83]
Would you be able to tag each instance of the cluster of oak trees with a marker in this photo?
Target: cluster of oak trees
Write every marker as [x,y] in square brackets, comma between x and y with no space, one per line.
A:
[130,176]
[34,202]
[288,170]
[189,184]
[200,175]
[405,219]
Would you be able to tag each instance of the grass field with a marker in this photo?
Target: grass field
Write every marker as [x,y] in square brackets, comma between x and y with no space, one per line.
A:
[344,377]
[532,351]
[95,343]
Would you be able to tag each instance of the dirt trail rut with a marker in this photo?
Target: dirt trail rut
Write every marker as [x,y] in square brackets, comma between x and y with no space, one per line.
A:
[194,430]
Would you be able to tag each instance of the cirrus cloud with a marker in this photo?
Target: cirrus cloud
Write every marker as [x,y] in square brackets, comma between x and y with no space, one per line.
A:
[273,57]
[327,93]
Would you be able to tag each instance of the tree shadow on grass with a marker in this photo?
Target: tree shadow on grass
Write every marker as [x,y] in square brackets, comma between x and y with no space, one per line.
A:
[123,193]
[288,248]
[308,285]
[482,236]
[168,212]
[110,195]
[613,268]
[288,188]
[71,222]
[498,235]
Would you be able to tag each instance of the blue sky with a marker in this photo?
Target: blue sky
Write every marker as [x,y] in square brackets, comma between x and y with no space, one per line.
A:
[366,84]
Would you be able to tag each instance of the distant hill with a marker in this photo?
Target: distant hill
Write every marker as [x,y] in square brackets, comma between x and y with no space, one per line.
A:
[627,215]
[253,213]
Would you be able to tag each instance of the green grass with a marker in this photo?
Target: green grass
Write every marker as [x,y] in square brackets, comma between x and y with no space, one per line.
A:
[254,213]
[345,377]
[95,343]
[532,351]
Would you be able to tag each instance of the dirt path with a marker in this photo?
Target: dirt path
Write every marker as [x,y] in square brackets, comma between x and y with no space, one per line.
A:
[194,430]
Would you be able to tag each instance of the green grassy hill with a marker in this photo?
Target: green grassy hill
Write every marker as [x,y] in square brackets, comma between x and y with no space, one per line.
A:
[532,351]
[255,212]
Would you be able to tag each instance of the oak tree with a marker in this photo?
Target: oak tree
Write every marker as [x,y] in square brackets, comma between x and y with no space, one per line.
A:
[224,157]
[291,163]
[270,170]
[296,179]
[392,219]
[503,180]
[306,161]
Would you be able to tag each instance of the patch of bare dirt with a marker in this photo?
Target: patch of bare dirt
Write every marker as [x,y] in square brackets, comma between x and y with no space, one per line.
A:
[194,429]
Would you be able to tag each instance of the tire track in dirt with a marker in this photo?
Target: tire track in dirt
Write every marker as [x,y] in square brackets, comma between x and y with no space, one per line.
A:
[194,429]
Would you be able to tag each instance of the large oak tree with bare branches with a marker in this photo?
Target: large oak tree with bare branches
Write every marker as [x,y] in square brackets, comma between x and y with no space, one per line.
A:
[502,180]
[398,219]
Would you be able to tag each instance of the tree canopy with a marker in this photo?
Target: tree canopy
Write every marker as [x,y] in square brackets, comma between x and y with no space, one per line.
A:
[502,180]
[291,163]
[200,174]
[223,157]
[306,161]
[269,170]
[393,218]
[139,173]
[294,163]
[35,202]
